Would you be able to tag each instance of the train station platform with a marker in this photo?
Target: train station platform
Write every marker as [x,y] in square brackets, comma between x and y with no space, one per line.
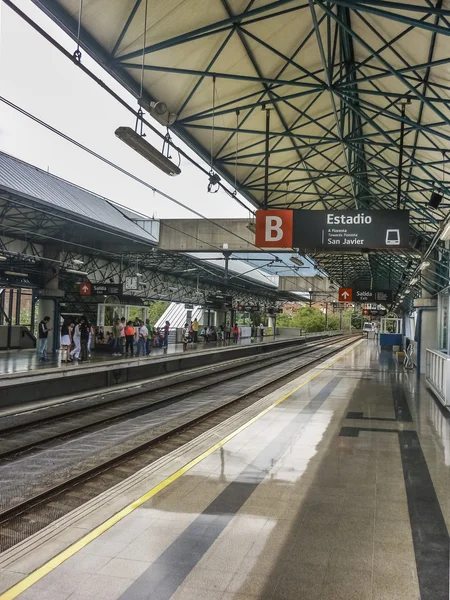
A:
[26,380]
[333,487]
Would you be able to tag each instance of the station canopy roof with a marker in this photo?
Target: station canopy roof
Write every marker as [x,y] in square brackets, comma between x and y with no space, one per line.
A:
[334,74]
[43,209]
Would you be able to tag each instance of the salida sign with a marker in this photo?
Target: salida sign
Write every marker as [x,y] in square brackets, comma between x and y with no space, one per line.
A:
[100,289]
[332,230]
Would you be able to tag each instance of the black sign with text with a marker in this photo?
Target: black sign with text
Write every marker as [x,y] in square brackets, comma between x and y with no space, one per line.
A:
[106,289]
[350,229]
[376,296]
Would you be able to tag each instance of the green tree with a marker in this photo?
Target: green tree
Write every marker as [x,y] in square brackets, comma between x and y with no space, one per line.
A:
[156,310]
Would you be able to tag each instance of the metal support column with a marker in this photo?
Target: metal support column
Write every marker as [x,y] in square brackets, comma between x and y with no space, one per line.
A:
[400,160]
[266,157]
[227,259]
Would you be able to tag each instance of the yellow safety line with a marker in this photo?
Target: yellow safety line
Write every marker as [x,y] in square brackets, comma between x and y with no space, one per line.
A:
[57,560]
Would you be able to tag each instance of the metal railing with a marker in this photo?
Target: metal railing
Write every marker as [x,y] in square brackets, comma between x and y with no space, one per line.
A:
[437,374]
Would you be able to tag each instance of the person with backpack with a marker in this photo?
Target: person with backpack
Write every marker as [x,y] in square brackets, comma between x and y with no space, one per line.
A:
[85,328]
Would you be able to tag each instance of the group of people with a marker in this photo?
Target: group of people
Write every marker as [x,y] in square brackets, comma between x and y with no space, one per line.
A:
[125,337]
[128,334]
[76,338]
[78,334]
[209,333]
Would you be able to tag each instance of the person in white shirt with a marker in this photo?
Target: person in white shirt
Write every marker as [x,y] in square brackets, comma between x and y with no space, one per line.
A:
[142,335]
[76,336]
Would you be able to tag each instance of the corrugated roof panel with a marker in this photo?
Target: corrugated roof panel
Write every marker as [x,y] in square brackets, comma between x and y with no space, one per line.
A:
[27,180]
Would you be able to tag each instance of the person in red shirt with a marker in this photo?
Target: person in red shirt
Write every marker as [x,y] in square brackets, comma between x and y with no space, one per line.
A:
[129,337]
[235,333]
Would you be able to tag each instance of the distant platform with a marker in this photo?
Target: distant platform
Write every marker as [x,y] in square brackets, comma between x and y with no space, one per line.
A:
[24,380]
[20,361]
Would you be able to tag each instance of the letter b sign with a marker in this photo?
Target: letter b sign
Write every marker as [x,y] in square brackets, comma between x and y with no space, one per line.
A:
[274,228]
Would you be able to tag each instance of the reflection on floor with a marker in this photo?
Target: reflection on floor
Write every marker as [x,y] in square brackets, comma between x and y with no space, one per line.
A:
[340,492]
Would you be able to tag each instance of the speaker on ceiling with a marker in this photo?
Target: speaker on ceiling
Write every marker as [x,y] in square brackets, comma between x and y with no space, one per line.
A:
[435,200]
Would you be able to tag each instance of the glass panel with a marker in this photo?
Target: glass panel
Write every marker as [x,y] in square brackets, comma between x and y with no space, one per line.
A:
[136,312]
[26,303]
[443,322]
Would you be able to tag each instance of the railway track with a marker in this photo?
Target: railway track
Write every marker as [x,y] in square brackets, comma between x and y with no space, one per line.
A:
[29,432]
[88,452]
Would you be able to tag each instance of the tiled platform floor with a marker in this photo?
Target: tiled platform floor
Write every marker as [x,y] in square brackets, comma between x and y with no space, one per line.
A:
[340,492]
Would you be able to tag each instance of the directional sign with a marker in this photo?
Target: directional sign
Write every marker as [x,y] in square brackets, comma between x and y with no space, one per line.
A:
[340,306]
[345,295]
[106,289]
[100,289]
[85,289]
[377,296]
[332,229]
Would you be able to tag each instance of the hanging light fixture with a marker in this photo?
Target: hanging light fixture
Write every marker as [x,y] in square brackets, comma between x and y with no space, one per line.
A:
[136,140]
[214,179]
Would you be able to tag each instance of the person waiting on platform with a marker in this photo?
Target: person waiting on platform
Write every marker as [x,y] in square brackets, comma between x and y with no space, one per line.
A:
[142,335]
[376,330]
[186,336]
[66,340]
[148,343]
[85,328]
[129,337]
[195,331]
[43,337]
[116,338]
[235,333]
[75,354]
[166,334]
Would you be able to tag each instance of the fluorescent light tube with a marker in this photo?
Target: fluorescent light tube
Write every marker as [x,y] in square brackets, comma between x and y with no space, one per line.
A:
[145,149]
[75,272]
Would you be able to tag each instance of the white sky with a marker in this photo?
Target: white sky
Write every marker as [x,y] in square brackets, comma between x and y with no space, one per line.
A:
[38,78]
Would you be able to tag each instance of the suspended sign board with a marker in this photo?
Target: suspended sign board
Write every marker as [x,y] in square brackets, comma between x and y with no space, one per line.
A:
[376,296]
[101,289]
[332,230]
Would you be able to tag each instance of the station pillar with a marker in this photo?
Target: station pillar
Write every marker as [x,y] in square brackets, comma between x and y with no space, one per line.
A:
[426,328]
[272,321]
[50,295]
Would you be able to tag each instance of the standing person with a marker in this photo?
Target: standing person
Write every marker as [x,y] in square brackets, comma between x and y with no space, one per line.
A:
[166,334]
[76,340]
[376,330]
[122,335]
[91,335]
[84,338]
[261,330]
[129,338]
[43,330]
[148,343]
[235,333]
[66,341]
[142,333]
[195,331]
[185,337]
[116,338]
